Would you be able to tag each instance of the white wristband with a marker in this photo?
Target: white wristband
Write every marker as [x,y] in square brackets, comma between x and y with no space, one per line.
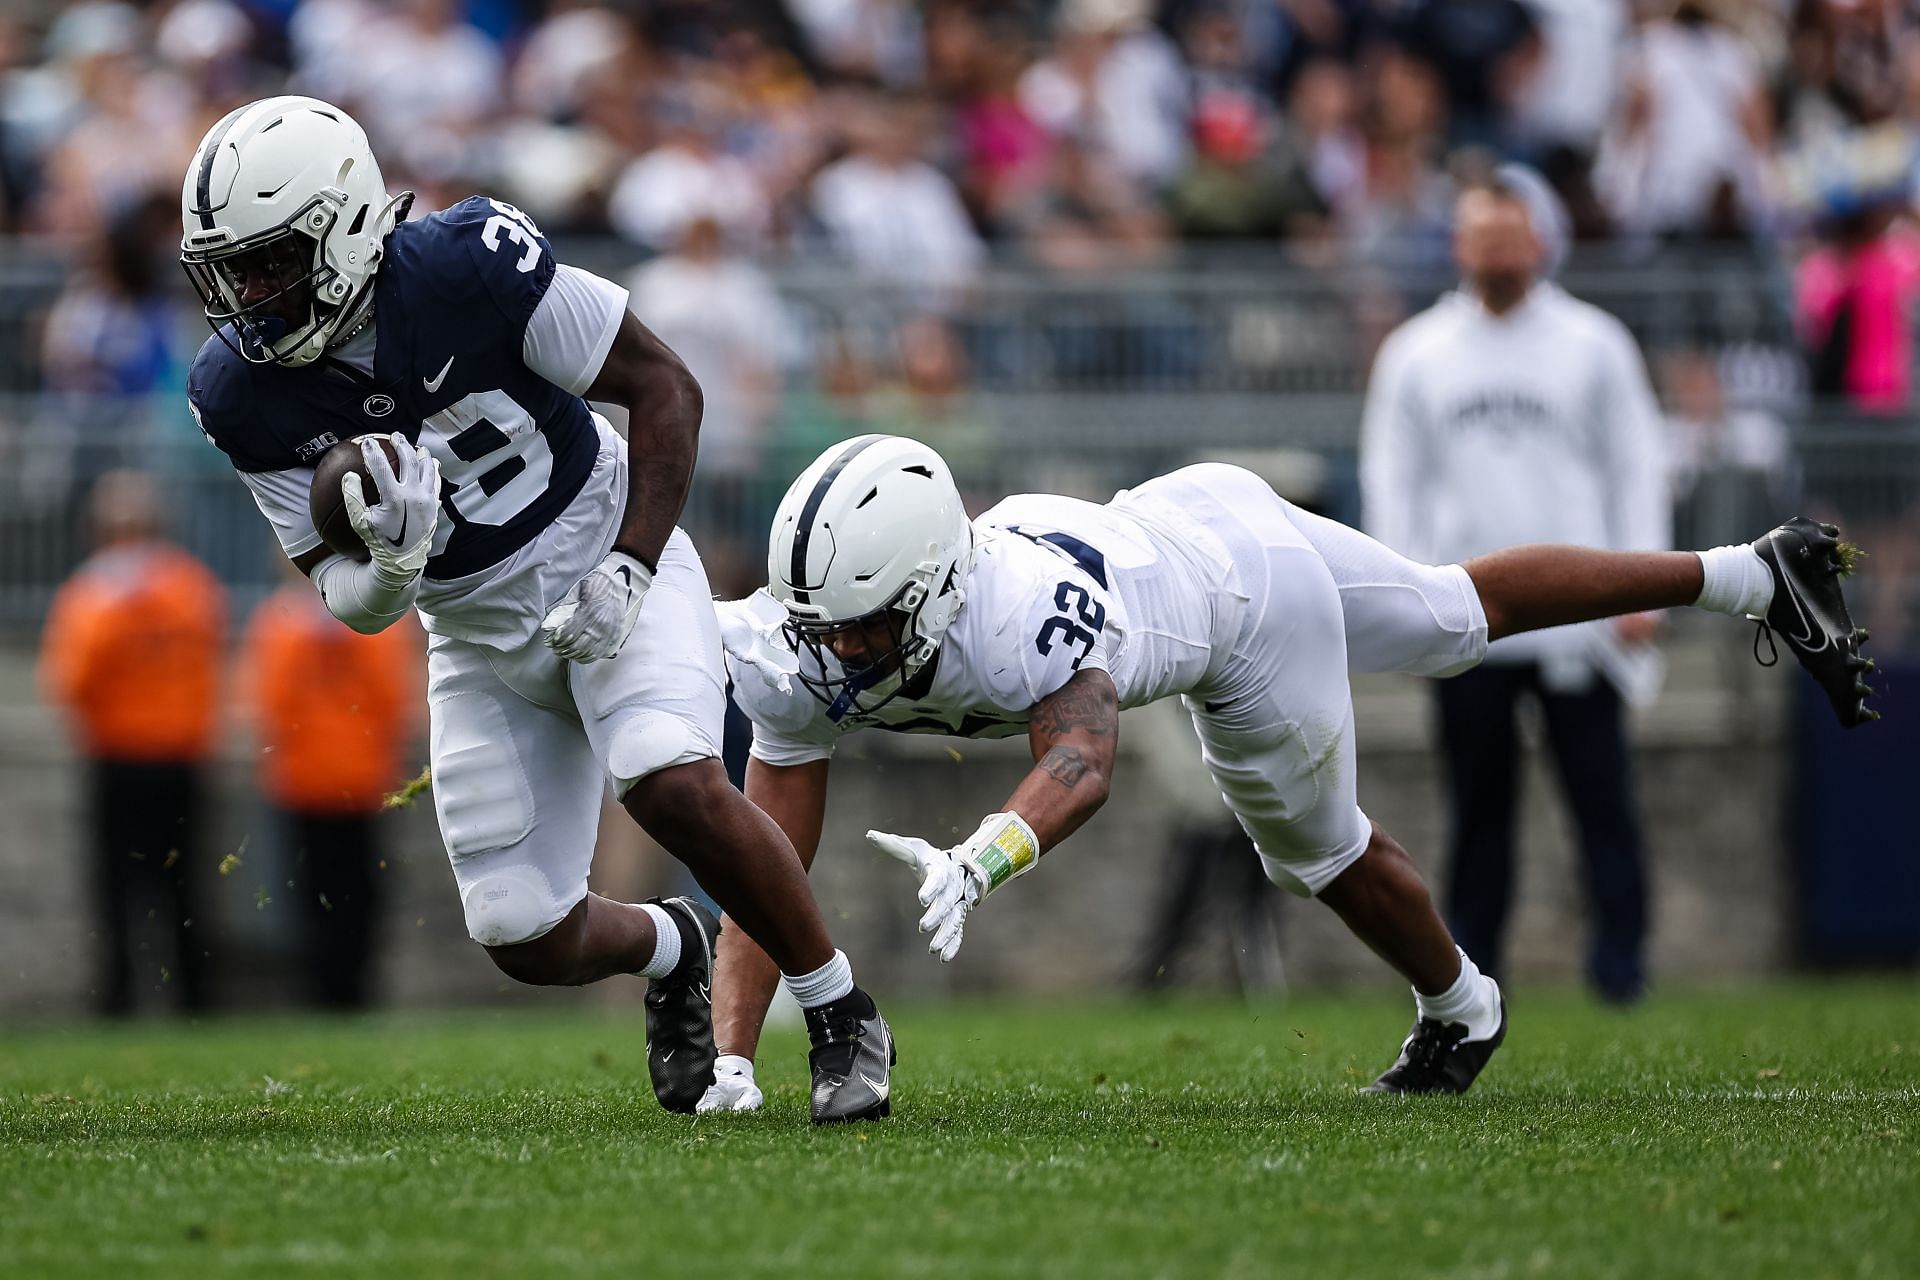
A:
[360,595]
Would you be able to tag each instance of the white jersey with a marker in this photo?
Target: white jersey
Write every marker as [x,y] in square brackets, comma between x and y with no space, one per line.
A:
[1058,586]
[1203,583]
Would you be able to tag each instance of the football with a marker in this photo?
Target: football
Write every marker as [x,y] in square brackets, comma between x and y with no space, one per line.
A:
[325,503]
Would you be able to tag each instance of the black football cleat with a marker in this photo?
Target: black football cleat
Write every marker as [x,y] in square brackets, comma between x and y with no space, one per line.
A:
[852,1057]
[1807,561]
[680,1011]
[1438,1058]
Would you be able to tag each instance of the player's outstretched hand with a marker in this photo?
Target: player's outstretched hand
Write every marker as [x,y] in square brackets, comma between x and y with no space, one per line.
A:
[598,615]
[947,890]
[732,1089]
[398,529]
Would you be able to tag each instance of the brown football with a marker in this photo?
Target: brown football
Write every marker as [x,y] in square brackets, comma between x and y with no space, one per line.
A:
[329,509]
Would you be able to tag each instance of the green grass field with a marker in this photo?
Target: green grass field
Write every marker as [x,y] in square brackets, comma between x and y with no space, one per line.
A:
[1752,1133]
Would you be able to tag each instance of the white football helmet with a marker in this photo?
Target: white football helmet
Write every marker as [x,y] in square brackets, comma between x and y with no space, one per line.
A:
[284,196]
[872,535]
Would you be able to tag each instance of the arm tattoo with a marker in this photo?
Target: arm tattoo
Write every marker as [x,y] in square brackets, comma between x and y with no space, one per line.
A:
[1086,703]
[1065,765]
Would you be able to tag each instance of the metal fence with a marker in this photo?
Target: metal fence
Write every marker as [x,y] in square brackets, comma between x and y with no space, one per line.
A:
[1864,474]
[1071,384]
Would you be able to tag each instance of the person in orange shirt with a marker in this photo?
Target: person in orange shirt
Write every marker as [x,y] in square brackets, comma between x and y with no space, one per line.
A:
[132,653]
[334,711]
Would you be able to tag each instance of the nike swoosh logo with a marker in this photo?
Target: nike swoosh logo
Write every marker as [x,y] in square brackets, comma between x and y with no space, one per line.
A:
[668,1055]
[401,540]
[1805,639]
[879,1087]
[433,384]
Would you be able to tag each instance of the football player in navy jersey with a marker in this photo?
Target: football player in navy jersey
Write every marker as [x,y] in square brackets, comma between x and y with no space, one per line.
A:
[573,641]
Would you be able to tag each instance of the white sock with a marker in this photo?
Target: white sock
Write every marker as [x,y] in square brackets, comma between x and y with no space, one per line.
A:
[1473,999]
[1737,581]
[824,985]
[666,942]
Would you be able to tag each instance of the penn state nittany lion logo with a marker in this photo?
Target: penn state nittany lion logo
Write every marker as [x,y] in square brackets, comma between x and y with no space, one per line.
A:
[378,406]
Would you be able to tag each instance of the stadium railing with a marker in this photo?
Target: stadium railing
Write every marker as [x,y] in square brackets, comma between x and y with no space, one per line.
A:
[1863,473]
[1077,384]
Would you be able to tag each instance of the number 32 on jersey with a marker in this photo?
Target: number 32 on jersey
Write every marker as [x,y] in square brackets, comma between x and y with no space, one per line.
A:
[1079,621]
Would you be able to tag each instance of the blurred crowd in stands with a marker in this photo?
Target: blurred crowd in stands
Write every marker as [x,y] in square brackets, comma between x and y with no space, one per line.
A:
[916,142]
[906,137]
[727,144]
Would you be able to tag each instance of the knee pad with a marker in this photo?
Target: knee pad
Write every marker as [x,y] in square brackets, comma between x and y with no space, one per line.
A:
[647,743]
[480,791]
[1278,873]
[511,905]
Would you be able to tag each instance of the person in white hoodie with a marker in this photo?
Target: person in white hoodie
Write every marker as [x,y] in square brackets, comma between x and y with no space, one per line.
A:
[1507,413]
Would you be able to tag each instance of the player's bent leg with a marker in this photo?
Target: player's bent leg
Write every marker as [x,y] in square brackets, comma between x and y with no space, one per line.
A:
[1382,899]
[517,796]
[1398,614]
[738,854]
[517,790]
[1548,585]
[1276,730]
[1401,615]
[654,714]
[597,938]
[1462,1016]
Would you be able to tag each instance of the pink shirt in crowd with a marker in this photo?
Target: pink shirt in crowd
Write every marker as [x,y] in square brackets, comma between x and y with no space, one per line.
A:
[1881,278]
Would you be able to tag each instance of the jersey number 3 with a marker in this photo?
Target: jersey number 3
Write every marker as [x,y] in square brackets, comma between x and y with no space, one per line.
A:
[1089,611]
[517,227]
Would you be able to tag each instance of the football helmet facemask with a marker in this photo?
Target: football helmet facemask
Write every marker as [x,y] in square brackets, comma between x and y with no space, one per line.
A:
[284,217]
[869,554]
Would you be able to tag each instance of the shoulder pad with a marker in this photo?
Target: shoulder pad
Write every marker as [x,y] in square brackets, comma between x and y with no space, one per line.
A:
[220,394]
[761,667]
[480,261]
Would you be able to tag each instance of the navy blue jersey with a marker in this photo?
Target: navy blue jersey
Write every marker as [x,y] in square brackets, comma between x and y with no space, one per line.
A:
[452,299]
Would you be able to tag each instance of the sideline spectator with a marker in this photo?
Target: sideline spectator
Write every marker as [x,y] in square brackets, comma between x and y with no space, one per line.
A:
[1684,156]
[722,316]
[687,177]
[1114,80]
[1731,468]
[111,332]
[1567,101]
[1854,303]
[1486,52]
[131,652]
[130,139]
[894,216]
[1088,218]
[1511,413]
[334,711]
[1854,300]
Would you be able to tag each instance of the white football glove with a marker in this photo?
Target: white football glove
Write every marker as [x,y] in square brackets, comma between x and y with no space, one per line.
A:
[954,881]
[732,1089]
[598,615]
[398,529]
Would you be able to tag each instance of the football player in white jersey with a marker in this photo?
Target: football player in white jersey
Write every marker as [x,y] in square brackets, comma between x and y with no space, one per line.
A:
[573,638]
[889,608]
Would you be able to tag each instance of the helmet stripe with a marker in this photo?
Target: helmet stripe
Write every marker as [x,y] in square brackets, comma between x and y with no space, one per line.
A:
[203,189]
[803,531]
